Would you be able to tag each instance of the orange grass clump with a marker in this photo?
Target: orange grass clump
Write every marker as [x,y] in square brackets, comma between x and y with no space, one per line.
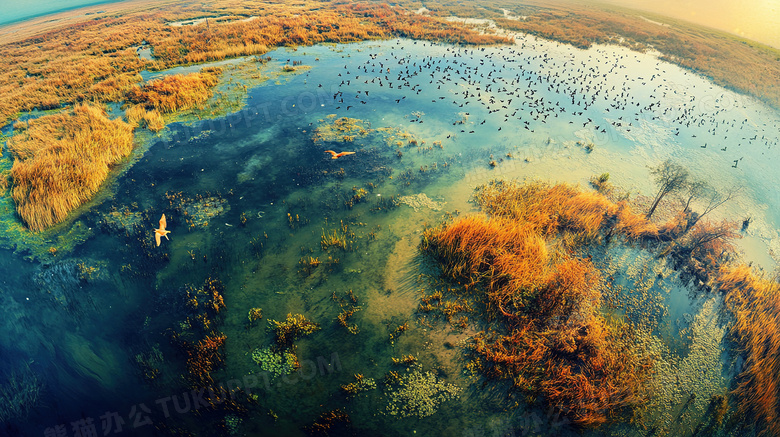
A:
[61,160]
[755,303]
[550,209]
[551,340]
[139,116]
[176,92]
[203,358]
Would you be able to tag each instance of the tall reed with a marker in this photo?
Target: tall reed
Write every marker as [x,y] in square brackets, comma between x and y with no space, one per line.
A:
[61,160]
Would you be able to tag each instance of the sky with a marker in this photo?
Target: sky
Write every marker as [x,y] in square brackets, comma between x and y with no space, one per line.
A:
[758,20]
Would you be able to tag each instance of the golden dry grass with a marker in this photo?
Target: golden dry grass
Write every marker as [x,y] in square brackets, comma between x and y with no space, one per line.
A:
[550,209]
[551,340]
[755,303]
[95,58]
[176,92]
[61,160]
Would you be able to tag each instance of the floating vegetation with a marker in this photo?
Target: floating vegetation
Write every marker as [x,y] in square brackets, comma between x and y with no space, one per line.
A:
[404,360]
[436,303]
[203,358]
[385,204]
[395,137]
[307,264]
[123,221]
[254,315]
[198,212]
[295,221]
[689,382]
[62,160]
[400,329]
[208,297]
[275,362]
[418,394]
[341,238]
[359,195]
[343,129]
[62,282]
[232,424]
[197,336]
[361,384]
[421,200]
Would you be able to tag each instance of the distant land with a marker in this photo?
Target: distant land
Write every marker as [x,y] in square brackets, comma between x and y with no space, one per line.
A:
[16,11]
[757,20]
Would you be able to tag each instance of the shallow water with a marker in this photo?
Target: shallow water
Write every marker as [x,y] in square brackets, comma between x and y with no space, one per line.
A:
[262,164]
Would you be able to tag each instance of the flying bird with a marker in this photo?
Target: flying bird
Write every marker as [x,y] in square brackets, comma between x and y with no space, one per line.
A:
[161,232]
[339,155]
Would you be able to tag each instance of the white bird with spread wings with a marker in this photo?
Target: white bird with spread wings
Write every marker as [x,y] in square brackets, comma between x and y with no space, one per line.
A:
[161,232]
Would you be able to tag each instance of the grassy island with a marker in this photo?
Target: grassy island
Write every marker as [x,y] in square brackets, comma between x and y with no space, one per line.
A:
[61,161]
[522,267]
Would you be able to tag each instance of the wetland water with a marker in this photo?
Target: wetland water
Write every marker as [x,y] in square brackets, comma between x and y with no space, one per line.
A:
[248,196]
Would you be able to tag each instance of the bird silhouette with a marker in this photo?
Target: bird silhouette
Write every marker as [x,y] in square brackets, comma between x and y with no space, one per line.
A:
[161,232]
[335,156]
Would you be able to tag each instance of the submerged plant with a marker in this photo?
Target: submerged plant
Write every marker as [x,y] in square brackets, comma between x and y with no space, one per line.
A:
[294,327]
[360,385]
[19,393]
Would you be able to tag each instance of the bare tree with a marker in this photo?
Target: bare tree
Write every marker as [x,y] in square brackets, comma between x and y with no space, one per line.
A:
[717,199]
[701,192]
[692,190]
[669,177]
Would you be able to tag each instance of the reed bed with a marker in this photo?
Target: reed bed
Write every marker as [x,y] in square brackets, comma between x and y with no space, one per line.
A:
[96,59]
[176,92]
[551,209]
[550,339]
[61,160]
[139,116]
[755,303]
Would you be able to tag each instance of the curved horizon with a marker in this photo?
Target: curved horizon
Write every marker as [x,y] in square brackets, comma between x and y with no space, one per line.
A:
[756,20]
[19,12]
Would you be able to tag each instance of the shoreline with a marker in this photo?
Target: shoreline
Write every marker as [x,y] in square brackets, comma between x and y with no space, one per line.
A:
[26,18]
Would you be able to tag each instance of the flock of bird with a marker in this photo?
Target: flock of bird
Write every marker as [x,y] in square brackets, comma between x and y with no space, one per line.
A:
[527,88]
